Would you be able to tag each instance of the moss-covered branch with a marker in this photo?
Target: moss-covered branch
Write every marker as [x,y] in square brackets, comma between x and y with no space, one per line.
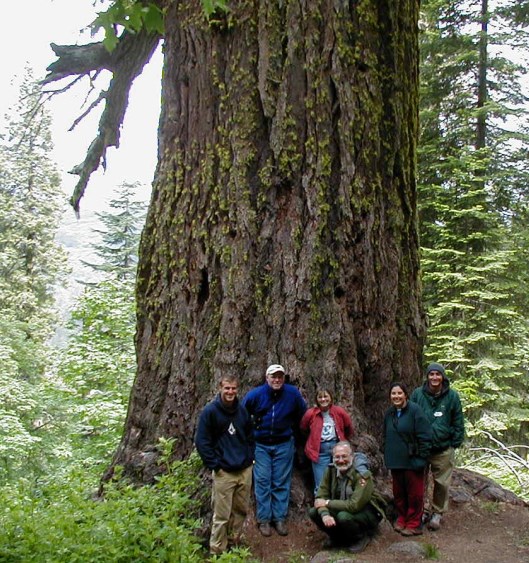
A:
[126,62]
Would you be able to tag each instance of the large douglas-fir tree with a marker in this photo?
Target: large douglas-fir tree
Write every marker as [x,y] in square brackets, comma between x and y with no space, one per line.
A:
[282,226]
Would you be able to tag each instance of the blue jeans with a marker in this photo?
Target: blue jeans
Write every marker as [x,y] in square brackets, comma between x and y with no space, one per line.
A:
[319,467]
[272,475]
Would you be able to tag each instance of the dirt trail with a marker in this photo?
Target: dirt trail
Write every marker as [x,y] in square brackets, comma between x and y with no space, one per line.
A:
[472,532]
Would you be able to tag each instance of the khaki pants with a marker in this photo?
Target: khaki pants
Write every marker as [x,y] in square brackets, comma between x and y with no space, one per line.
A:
[441,465]
[230,498]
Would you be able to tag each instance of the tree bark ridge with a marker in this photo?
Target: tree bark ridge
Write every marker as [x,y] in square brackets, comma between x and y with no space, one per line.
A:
[283,220]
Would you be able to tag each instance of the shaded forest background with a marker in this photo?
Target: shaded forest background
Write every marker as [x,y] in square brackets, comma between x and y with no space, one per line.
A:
[62,409]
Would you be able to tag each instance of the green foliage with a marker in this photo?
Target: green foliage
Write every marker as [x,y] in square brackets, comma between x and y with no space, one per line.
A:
[31,202]
[31,263]
[490,506]
[55,417]
[431,551]
[235,555]
[97,368]
[130,15]
[119,248]
[473,175]
[56,521]
[505,464]
[214,8]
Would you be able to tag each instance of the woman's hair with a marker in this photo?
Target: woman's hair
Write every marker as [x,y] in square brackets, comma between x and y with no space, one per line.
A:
[403,386]
[322,390]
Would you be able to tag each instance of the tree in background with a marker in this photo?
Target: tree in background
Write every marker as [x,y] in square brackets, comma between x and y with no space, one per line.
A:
[73,417]
[120,238]
[473,173]
[31,203]
[31,264]
[96,370]
[98,365]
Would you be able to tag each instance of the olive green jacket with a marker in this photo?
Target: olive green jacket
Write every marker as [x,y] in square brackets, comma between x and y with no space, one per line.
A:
[359,491]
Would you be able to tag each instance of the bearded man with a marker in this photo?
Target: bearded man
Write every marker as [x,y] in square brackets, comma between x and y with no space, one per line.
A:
[345,507]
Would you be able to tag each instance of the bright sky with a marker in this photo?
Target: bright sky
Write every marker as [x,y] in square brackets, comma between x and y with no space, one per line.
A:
[29,29]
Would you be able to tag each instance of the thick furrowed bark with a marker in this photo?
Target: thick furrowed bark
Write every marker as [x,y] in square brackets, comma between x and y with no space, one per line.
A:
[282,226]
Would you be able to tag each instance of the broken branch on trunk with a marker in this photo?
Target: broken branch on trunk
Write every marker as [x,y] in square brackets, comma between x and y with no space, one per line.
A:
[125,63]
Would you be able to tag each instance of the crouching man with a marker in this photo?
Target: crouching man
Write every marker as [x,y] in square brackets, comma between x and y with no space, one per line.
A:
[344,507]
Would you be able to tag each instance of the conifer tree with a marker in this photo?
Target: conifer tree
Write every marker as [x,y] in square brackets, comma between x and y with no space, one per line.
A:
[98,365]
[470,172]
[31,262]
[120,238]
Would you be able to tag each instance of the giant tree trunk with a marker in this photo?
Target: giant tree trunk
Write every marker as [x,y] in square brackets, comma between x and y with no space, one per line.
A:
[282,227]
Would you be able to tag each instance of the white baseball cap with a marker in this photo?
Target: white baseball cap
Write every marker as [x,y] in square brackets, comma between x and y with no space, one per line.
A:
[274,368]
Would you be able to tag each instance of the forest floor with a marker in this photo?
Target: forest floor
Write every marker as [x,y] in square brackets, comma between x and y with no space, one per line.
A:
[480,532]
[474,530]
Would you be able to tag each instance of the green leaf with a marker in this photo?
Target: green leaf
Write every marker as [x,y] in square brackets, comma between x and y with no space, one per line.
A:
[153,18]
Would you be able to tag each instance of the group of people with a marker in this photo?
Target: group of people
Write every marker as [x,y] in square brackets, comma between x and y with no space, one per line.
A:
[421,431]
[254,439]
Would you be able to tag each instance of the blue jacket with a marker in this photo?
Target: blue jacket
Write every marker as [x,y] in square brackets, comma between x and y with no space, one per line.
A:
[275,414]
[224,438]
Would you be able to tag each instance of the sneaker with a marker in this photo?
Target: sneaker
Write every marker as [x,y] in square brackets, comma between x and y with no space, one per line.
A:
[435,522]
[359,545]
[281,528]
[264,528]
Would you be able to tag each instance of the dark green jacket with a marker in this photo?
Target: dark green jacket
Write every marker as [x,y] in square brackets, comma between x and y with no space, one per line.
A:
[445,414]
[410,430]
[359,491]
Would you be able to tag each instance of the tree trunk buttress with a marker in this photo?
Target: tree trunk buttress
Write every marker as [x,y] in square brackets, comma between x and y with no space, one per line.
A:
[282,226]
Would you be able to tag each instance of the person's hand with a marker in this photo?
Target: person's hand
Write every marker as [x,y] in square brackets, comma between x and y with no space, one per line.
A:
[320,503]
[328,521]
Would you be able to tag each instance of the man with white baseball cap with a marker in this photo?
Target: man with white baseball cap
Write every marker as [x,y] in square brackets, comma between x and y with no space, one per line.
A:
[276,409]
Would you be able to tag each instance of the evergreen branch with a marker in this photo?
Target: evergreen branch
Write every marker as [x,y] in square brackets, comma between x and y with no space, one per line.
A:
[503,458]
[505,454]
[506,448]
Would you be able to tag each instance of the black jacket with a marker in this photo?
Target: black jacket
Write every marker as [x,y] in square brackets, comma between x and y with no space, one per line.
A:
[224,438]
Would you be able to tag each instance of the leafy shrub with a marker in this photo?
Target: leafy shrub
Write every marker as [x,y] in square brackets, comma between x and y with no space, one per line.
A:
[58,522]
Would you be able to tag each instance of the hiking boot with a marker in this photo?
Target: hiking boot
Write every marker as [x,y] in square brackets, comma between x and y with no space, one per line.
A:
[359,545]
[281,528]
[265,529]
[435,522]
[398,527]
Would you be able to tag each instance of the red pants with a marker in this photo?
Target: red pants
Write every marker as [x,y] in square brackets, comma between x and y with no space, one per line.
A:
[408,494]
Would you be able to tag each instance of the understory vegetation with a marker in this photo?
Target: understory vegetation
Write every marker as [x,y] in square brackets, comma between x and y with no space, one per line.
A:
[62,410]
